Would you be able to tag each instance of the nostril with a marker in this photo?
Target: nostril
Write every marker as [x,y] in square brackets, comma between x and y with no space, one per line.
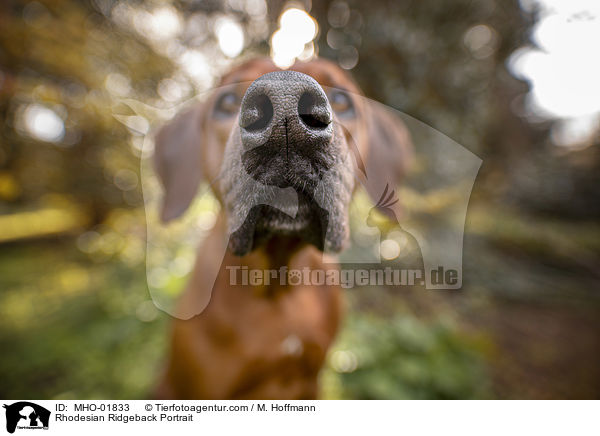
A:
[257,114]
[313,114]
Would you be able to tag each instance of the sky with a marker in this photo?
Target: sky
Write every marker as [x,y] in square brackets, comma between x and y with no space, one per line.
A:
[564,68]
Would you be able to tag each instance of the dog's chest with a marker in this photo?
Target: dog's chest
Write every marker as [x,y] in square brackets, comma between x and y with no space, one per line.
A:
[285,344]
[289,329]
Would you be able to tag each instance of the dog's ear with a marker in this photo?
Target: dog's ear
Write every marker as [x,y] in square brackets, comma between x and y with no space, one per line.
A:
[177,161]
[390,150]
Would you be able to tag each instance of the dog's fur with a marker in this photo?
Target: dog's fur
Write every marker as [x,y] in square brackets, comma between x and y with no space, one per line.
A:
[266,342]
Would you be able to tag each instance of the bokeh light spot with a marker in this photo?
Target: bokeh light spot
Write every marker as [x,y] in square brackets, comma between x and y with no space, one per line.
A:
[294,37]
[390,249]
[230,36]
[43,123]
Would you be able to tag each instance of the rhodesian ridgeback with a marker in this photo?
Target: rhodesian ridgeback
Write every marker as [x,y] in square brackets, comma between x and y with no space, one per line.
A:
[306,128]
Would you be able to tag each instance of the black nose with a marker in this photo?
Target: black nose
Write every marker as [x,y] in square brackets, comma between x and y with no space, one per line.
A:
[285,108]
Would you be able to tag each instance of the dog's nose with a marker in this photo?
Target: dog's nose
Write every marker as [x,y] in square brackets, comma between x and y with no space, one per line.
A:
[286,108]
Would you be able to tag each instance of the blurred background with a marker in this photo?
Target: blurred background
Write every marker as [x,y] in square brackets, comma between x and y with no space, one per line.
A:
[82,82]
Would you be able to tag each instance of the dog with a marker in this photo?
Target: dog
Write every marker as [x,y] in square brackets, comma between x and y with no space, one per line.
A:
[306,128]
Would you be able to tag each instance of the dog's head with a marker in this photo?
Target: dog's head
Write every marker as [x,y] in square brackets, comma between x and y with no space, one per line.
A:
[265,131]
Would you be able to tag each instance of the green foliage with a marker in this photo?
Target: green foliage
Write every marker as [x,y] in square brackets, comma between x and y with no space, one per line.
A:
[73,329]
[64,56]
[404,358]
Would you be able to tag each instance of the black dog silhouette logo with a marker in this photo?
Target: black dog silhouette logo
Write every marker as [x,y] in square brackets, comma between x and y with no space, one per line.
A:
[26,415]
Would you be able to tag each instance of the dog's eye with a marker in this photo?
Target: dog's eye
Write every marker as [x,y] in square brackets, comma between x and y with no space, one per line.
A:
[341,103]
[227,105]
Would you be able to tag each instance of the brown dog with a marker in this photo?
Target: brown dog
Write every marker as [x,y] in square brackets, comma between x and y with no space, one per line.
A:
[284,130]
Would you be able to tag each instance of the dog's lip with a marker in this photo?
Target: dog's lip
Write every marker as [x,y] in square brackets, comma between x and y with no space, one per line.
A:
[292,215]
[306,223]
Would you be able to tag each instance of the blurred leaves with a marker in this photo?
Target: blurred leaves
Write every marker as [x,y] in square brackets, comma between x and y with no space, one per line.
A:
[68,57]
[76,329]
[444,62]
[405,358]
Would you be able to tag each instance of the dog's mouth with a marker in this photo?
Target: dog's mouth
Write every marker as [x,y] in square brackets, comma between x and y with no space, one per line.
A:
[303,220]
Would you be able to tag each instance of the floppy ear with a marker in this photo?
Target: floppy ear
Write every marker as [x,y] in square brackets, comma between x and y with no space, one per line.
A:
[177,161]
[390,150]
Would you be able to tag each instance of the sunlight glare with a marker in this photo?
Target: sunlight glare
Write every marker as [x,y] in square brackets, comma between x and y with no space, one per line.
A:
[230,36]
[161,24]
[293,39]
[165,23]
[564,71]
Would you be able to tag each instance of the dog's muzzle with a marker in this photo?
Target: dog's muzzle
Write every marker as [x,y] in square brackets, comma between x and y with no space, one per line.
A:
[287,139]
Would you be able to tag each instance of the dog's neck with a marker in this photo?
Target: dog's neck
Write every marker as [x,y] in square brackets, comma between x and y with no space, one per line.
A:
[280,249]
[276,253]
[273,253]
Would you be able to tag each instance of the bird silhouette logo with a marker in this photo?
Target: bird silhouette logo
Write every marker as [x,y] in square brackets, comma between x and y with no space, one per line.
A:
[384,205]
[384,218]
